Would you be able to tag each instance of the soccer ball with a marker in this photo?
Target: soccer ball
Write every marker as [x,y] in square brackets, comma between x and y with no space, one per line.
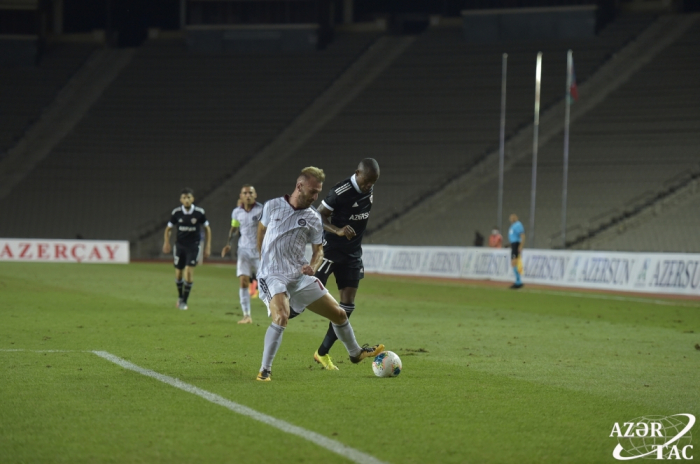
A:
[386,364]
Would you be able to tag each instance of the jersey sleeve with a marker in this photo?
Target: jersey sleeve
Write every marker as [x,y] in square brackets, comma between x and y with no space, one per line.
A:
[204,219]
[234,220]
[172,221]
[331,200]
[265,217]
[316,236]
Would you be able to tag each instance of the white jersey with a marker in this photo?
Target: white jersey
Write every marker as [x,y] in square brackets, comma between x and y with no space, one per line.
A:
[288,232]
[247,223]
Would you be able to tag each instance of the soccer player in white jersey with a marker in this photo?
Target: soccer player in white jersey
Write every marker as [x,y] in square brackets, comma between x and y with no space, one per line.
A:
[286,279]
[245,218]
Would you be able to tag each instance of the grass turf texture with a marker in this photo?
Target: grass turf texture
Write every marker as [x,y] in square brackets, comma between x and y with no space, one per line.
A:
[490,375]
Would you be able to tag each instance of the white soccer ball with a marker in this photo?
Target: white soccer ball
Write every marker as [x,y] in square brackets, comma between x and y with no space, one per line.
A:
[387,364]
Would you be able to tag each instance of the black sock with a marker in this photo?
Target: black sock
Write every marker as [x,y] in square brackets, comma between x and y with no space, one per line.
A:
[186,291]
[179,288]
[331,337]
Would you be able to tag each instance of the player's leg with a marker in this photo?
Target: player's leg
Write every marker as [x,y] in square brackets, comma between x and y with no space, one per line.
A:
[276,298]
[347,277]
[321,356]
[179,260]
[188,275]
[243,271]
[244,297]
[192,255]
[514,254]
[253,288]
[312,295]
[347,304]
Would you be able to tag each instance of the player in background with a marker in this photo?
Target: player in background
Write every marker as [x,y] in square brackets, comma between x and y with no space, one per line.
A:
[286,278]
[345,213]
[189,220]
[245,218]
[516,235]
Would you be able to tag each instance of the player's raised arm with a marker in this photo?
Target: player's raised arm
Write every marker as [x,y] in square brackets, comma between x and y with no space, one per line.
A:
[346,231]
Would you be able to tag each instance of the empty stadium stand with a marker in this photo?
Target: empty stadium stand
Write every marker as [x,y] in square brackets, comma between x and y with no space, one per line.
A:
[436,110]
[27,90]
[171,119]
[673,228]
[622,153]
[174,118]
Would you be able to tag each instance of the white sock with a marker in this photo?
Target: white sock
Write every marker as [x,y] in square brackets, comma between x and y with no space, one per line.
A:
[347,336]
[245,300]
[273,340]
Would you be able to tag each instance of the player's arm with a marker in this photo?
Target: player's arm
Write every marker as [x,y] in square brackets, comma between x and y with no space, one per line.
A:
[231,233]
[261,236]
[316,260]
[522,242]
[166,239]
[207,246]
[346,231]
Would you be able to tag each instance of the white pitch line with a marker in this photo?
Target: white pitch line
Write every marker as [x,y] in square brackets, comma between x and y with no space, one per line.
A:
[315,438]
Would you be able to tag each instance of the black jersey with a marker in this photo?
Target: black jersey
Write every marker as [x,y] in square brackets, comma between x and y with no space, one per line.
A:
[350,206]
[188,224]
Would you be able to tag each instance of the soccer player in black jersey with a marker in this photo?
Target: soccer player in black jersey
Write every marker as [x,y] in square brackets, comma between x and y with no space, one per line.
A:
[345,213]
[189,220]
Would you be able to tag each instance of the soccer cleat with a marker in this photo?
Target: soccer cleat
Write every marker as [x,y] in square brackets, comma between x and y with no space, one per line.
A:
[253,289]
[182,305]
[325,361]
[264,376]
[366,352]
[516,286]
[246,320]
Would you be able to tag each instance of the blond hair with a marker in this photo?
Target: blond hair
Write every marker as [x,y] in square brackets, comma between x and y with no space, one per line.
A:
[312,171]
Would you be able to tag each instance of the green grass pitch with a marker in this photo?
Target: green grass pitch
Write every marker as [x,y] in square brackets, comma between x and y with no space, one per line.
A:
[490,375]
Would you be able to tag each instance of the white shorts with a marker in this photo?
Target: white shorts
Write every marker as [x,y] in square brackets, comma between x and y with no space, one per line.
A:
[301,291]
[248,262]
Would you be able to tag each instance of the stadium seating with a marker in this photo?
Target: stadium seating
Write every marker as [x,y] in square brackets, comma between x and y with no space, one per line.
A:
[171,119]
[175,119]
[436,110]
[622,153]
[673,229]
[35,87]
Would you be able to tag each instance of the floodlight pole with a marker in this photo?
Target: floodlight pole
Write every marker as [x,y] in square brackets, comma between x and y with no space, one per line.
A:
[567,120]
[502,143]
[535,146]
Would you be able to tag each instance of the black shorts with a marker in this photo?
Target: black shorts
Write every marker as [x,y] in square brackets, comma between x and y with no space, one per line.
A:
[186,255]
[515,250]
[347,274]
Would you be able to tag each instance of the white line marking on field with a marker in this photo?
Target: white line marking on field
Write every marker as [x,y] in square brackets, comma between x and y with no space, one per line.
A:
[331,445]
